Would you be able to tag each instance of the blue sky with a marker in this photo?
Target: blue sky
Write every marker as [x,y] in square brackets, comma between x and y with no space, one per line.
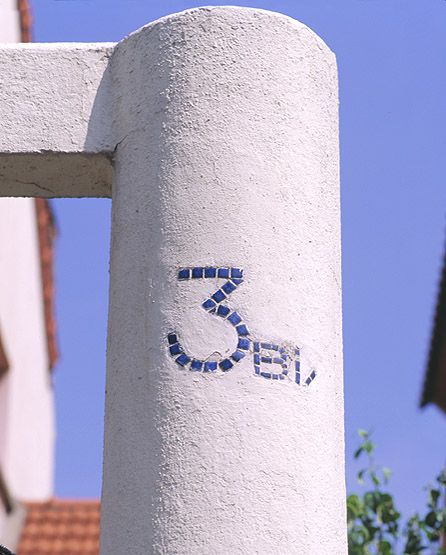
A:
[392,71]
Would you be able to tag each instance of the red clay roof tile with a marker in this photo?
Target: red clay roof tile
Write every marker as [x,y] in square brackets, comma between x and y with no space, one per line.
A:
[61,527]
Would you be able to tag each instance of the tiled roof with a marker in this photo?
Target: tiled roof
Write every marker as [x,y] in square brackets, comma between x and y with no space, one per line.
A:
[47,231]
[25,20]
[61,527]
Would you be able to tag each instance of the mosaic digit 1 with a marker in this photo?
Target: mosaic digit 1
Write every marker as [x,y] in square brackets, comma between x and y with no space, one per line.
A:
[264,353]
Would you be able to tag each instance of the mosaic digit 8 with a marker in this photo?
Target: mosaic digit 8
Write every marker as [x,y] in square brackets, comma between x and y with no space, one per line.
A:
[264,353]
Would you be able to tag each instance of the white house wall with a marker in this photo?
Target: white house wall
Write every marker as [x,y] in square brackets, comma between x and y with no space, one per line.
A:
[27,452]
[9,21]
[26,395]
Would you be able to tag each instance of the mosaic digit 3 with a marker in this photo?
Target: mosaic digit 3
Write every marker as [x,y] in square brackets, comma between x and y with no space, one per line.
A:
[282,358]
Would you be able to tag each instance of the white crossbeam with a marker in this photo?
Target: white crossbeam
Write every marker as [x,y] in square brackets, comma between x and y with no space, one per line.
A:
[55,124]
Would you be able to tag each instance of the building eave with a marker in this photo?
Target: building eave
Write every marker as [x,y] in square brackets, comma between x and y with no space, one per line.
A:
[434,389]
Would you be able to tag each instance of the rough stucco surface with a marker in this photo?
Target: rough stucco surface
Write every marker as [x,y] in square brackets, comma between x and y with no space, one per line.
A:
[55,119]
[228,156]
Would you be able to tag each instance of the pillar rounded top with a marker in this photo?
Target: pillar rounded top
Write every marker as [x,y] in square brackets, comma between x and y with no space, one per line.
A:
[230,21]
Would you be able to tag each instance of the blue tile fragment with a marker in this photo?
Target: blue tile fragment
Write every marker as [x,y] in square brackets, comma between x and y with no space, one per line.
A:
[265,374]
[223,310]
[237,281]
[228,287]
[256,358]
[175,349]
[281,377]
[210,366]
[182,360]
[184,273]
[285,372]
[243,343]
[275,376]
[267,360]
[234,318]
[226,364]
[196,365]
[310,378]
[278,360]
[218,296]
[256,347]
[172,338]
[266,346]
[210,272]
[208,304]
[257,370]
[197,272]
[223,272]
[236,273]
[238,355]
[242,330]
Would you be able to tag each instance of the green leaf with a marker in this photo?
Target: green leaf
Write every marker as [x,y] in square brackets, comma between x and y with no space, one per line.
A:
[387,473]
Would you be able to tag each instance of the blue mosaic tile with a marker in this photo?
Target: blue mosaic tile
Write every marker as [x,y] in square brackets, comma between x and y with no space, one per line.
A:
[234,318]
[226,364]
[208,304]
[182,360]
[242,330]
[229,287]
[266,346]
[256,347]
[275,376]
[267,360]
[175,349]
[196,365]
[310,378]
[277,360]
[223,310]
[210,272]
[172,338]
[218,296]
[210,366]
[236,273]
[285,372]
[257,370]
[265,374]
[223,272]
[197,272]
[281,377]
[236,281]
[184,273]
[256,358]
[238,355]
[243,343]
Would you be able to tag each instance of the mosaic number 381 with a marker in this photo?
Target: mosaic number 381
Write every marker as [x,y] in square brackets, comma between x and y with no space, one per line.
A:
[266,355]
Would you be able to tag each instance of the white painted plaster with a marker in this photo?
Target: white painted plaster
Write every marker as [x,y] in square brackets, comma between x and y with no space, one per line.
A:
[228,156]
[27,438]
[55,118]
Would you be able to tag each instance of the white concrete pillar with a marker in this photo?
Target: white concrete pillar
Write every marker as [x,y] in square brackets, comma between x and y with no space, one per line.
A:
[227,163]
